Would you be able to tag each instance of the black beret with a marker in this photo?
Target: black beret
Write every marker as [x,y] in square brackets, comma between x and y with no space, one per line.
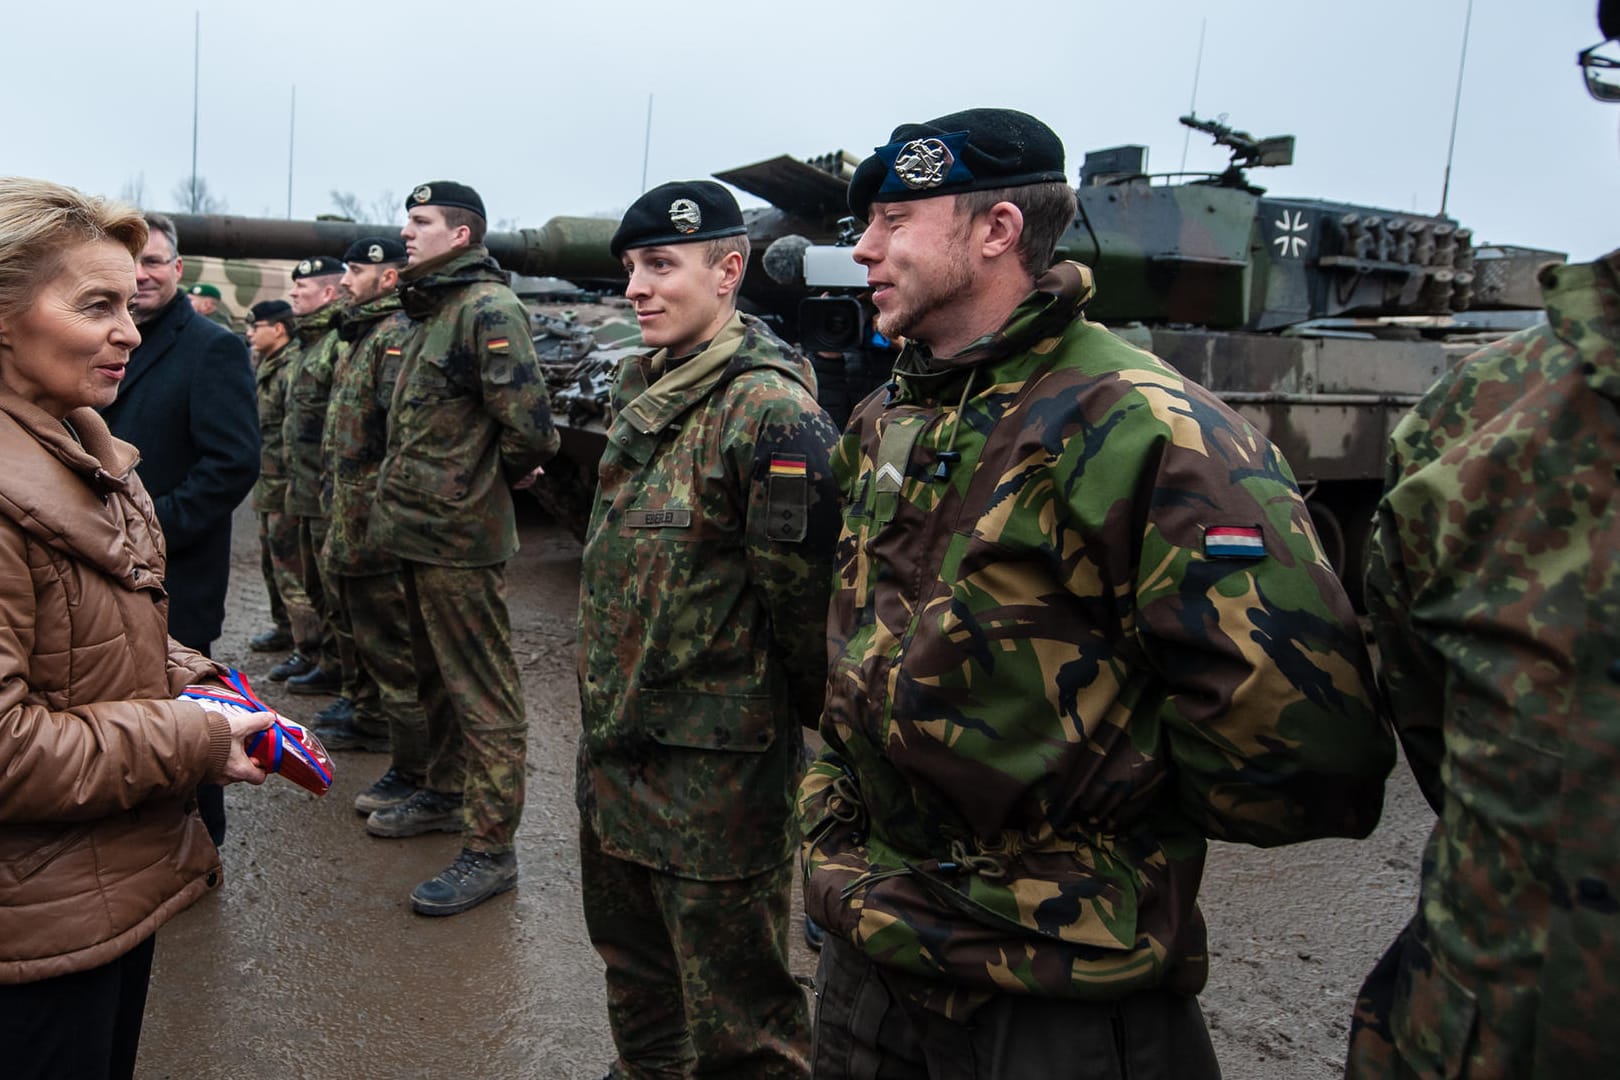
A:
[1609,19]
[375,249]
[317,266]
[972,150]
[679,212]
[446,193]
[271,311]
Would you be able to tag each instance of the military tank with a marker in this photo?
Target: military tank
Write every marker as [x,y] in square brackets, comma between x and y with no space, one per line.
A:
[1322,322]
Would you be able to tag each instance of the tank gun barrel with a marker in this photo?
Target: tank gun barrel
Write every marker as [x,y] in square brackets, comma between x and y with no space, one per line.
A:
[571,247]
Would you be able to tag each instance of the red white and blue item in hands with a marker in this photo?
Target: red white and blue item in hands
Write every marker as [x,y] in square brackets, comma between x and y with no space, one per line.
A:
[286,746]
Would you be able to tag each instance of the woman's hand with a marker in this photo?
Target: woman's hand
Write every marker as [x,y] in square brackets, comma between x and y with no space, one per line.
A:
[240,767]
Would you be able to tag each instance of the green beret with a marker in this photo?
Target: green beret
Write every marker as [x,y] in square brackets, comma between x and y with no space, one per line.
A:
[205,289]
[680,212]
[972,150]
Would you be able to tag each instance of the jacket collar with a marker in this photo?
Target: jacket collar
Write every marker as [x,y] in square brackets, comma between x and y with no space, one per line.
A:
[671,394]
[318,323]
[1583,310]
[353,322]
[1059,297]
[424,287]
[55,485]
[158,335]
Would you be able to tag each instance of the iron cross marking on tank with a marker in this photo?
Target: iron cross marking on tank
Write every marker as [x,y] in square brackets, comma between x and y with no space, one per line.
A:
[1293,238]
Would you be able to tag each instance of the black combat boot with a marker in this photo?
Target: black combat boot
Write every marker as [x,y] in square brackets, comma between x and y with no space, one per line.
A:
[340,711]
[391,789]
[425,811]
[346,736]
[316,681]
[296,664]
[474,877]
[275,639]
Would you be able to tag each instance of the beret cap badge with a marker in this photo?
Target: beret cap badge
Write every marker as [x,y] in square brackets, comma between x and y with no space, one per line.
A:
[971,150]
[375,253]
[685,216]
[305,267]
[422,194]
[923,163]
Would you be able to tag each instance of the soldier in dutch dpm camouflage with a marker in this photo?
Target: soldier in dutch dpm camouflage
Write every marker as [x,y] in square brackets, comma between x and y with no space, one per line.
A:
[1082,625]
[703,599]
[468,420]
[1493,587]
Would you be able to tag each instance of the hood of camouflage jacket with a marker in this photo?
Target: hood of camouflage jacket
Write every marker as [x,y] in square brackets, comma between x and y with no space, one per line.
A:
[1060,295]
[423,288]
[354,322]
[318,323]
[660,400]
[1583,310]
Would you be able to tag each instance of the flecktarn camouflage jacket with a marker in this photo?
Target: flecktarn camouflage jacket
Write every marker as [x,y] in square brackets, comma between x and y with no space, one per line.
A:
[469,416]
[356,432]
[1494,593]
[1082,624]
[270,389]
[703,605]
[309,388]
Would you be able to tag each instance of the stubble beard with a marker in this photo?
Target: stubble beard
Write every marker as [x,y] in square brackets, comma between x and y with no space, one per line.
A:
[908,320]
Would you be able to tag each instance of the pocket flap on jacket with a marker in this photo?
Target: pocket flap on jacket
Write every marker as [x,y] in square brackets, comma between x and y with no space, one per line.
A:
[39,853]
[741,723]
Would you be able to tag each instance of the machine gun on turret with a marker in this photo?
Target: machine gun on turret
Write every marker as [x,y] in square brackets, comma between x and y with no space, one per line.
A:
[1248,152]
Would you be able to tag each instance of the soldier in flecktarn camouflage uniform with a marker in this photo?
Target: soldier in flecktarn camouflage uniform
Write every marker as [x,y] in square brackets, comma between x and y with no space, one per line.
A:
[317,298]
[1082,625]
[275,348]
[1493,587]
[365,578]
[468,420]
[703,601]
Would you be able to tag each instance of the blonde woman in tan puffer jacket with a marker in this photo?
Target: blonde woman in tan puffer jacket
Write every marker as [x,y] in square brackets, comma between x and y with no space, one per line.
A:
[100,842]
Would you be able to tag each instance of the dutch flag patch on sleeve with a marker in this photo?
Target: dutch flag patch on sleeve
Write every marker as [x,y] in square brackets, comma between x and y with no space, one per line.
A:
[1234,542]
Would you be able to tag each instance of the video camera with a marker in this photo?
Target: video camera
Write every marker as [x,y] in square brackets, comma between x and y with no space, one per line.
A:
[827,323]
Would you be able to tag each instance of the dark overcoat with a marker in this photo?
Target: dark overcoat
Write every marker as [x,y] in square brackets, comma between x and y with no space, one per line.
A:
[187,403]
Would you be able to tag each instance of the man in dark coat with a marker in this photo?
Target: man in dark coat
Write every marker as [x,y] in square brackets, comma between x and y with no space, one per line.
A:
[187,402]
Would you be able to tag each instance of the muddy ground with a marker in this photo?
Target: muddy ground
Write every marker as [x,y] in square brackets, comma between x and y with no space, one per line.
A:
[310,963]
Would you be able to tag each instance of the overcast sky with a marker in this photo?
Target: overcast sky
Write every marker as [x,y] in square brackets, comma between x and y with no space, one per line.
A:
[543,106]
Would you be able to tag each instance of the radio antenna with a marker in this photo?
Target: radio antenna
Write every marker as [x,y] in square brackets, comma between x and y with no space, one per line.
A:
[1456,107]
[1192,107]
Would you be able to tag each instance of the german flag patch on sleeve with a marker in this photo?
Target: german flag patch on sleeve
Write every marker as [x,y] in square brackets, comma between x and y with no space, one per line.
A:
[498,344]
[787,497]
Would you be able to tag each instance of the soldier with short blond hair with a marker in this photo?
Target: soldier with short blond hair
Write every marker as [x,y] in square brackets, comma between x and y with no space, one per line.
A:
[703,600]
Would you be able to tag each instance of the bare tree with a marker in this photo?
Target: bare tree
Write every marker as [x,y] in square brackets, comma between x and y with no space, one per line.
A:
[134,190]
[383,210]
[191,195]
